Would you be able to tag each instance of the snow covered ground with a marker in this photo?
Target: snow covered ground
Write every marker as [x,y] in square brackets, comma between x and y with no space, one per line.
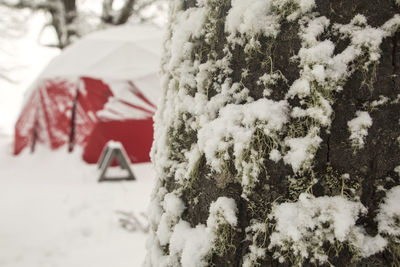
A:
[53,212]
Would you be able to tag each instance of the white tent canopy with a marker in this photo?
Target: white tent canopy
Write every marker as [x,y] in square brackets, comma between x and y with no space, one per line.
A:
[103,87]
[119,53]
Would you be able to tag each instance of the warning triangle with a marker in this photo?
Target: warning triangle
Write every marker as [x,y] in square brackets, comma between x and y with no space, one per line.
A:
[114,151]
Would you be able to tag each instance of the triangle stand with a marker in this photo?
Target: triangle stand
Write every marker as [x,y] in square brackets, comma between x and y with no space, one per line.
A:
[114,150]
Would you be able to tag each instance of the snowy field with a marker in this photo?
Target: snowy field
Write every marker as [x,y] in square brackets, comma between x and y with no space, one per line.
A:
[53,212]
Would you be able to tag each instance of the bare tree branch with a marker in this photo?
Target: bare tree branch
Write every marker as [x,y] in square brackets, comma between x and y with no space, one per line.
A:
[29,4]
[6,78]
[63,13]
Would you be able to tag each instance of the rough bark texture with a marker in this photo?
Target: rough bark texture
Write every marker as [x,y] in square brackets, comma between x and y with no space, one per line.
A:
[368,166]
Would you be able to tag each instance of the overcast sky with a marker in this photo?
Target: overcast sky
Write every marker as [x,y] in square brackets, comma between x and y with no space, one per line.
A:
[26,58]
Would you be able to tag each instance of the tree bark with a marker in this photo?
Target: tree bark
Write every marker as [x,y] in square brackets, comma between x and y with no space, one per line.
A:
[215,57]
[63,14]
[117,17]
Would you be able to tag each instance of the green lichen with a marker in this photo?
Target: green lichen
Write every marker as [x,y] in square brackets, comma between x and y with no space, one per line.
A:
[286,10]
[321,252]
[299,127]
[180,138]
[224,240]
[227,172]
[261,144]
[337,248]
[301,184]
[337,184]
[369,74]
[393,248]
[198,171]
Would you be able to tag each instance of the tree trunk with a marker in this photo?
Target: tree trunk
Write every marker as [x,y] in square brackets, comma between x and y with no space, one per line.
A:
[117,17]
[63,13]
[277,138]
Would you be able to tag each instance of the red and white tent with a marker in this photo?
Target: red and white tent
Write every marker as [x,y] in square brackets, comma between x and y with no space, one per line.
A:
[103,87]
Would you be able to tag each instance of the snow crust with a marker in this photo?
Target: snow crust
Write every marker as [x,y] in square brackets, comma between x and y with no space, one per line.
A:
[55,213]
[389,213]
[252,17]
[189,25]
[234,127]
[114,144]
[275,155]
[306,224]
[358,128]
[190,246]
[223,209]
[111,47]
[301,150]
[173,208]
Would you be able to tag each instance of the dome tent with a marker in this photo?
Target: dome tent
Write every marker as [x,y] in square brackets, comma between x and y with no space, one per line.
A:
[103,87]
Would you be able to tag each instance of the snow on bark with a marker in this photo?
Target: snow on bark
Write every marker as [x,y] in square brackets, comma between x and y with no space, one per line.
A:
[389,213]
[235,128]
[189,246]
[302,150]
[358,128]
[207,116]
[303,226]
[223,209]
[252,17]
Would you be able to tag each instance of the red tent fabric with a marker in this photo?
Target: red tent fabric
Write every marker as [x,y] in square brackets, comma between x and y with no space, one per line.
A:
[101,88]
[61,112]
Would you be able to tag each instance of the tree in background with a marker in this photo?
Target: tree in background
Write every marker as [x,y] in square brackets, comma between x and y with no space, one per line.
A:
[68,19]
[11,28]
[70,22]
[277,139]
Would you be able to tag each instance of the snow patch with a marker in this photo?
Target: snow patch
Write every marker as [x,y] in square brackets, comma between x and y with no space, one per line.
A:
[275,155]
[306,224]
[222,211]
[235,127]
[252,17]
[389,213]
[189,25]
[380,102]
[173,208]
[302,150]
[173,205]
[358,128]
[190,245]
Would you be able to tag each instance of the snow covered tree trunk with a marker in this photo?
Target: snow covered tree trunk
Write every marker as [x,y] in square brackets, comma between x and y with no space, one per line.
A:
[277,140]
